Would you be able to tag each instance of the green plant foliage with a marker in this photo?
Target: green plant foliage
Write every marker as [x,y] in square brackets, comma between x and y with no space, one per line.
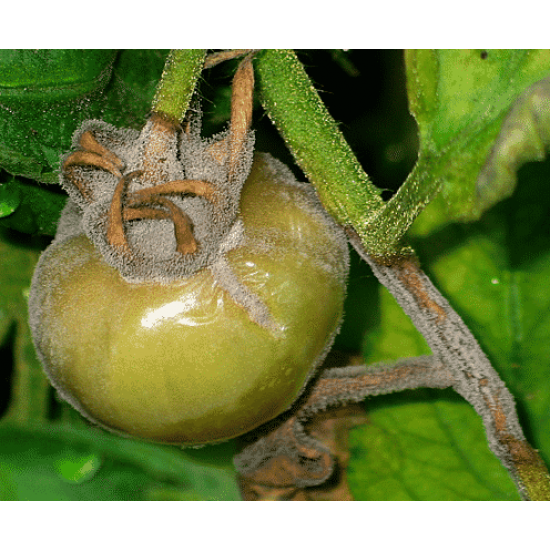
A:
[425,446]
[10,197]
[422,445]
[44,96]
[495,273]
[64,463]
[29,387]
[462,100]
[29,207]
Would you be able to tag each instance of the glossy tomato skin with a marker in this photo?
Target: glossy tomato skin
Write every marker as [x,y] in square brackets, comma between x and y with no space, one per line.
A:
[182,362]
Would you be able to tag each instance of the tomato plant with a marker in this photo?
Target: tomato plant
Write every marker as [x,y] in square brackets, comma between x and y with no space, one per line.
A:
[451,208]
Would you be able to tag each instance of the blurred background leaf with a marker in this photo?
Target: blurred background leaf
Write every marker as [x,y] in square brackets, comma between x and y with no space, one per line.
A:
[463,100]
[61,462]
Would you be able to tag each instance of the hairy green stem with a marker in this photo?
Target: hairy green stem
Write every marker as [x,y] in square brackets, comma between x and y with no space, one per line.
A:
[320,149]
[399,213]
[317,144]
[176,87]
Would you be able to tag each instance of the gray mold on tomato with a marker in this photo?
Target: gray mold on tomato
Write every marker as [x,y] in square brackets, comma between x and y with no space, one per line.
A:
[152,241]
[231,271]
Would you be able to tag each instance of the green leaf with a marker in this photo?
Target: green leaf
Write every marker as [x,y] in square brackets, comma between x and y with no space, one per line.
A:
[26,75]
[46,94]
[29,394]
[466,102]
[37,209]
[10,197]
[129,94]
[63,463]
[425,446]
[422,445]
[44,97]
[495,273]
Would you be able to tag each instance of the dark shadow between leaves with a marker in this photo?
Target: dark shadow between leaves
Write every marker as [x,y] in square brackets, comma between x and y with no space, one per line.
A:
[6,369]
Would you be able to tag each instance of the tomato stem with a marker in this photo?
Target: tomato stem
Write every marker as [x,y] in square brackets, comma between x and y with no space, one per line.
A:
[176,87]
[320,149]
[475,379]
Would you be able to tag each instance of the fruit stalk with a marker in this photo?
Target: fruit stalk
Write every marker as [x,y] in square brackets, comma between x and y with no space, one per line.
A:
[178,81]
[314,139]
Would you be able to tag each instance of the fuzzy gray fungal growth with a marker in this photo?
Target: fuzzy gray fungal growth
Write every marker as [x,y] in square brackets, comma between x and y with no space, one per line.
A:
[307,461]
[170,185]
[149,358]
[193,287]
[456,348]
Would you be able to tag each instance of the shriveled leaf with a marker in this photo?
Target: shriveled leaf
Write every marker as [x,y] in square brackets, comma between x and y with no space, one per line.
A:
[303,455]
[330,429]
[475,109]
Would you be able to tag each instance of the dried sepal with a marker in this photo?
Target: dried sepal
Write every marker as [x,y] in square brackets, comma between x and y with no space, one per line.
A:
[181,192]
[284,455]
[115,224]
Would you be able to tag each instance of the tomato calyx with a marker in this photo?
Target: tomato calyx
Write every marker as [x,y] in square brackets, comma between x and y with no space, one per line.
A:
[163,203]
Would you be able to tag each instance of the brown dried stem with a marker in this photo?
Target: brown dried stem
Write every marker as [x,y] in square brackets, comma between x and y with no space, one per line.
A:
[241,111]
[219,57]
[144,212]
[141,205]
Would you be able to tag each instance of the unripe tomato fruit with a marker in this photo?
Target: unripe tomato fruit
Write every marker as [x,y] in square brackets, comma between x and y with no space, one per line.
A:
[183,363]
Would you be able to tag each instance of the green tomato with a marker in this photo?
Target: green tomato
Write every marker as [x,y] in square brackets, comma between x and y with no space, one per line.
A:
[183,363]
